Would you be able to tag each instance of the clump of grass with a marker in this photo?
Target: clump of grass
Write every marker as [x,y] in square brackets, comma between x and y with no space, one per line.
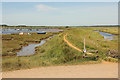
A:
[110,59]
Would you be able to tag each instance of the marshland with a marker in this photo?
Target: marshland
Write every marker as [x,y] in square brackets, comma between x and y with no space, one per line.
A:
[55,51]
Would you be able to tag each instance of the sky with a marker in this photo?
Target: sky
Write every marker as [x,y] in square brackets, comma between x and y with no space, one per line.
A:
[60,13]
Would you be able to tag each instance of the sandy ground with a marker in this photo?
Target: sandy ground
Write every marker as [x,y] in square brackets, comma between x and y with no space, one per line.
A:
[103,70]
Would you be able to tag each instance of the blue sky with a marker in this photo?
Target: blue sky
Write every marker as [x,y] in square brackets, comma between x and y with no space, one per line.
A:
[60,13]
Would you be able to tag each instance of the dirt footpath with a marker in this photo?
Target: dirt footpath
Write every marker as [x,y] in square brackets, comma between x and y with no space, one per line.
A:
[103,70]
[74,47]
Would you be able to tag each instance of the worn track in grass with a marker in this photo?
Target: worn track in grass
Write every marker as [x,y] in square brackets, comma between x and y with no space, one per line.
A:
[71,45]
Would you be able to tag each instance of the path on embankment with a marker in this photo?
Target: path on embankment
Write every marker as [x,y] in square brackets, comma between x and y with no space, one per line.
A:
[71,44]
[103,70]
[74,47]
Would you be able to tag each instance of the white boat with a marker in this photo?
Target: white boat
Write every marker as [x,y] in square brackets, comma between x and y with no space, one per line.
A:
[18,29]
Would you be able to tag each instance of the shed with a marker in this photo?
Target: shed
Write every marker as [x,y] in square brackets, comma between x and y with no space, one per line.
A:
[21,33]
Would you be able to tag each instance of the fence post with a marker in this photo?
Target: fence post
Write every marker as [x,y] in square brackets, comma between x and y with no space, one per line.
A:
[84,50]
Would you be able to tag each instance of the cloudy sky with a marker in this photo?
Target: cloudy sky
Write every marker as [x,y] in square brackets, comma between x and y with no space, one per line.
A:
[60,13]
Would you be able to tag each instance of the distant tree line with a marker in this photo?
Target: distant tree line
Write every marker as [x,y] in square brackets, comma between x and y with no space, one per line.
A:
[4,25]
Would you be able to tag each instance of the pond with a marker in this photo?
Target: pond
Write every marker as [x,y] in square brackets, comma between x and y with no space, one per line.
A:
[11,31]
[107,36]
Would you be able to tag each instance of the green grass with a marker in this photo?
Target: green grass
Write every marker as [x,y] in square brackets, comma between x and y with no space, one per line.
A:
[94,41]
[110,59]
[111,30]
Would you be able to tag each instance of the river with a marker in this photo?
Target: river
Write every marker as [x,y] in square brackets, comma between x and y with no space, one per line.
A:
[12,31]
[107,36]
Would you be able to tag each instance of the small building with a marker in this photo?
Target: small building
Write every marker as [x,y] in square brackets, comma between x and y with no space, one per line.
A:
[21,33]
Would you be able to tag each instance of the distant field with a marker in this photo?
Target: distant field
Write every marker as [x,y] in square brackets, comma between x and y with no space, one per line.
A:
[57,52]
[112,30]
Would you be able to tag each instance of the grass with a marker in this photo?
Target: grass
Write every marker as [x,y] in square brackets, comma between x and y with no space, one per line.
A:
[56,52]
[110,59]
[111,30]
[94,41]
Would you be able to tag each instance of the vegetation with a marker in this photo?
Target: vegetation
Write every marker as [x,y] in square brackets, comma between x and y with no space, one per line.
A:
[14,42]
[56,52]
[110,59]
[94,41]
[111,30]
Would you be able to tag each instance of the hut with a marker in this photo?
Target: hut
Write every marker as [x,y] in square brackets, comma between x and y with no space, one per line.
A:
[21,33]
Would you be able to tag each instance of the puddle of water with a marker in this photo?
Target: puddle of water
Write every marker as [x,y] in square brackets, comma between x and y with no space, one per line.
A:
[107,36]
[30,49]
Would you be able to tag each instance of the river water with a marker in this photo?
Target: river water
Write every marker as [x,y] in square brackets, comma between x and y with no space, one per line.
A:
[107,36]
[11,31]
[30,49]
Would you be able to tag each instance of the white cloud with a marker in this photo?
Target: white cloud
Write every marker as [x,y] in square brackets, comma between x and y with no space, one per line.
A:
[42,7]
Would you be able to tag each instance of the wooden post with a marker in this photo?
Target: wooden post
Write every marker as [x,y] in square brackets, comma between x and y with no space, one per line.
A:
[84,43]
[84,50]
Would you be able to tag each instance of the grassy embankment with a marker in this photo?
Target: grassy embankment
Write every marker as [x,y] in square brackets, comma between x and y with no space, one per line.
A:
[57,52]
[94,41]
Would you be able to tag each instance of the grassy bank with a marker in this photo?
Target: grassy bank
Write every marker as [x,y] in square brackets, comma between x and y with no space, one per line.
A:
[94,41]
[111,30]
